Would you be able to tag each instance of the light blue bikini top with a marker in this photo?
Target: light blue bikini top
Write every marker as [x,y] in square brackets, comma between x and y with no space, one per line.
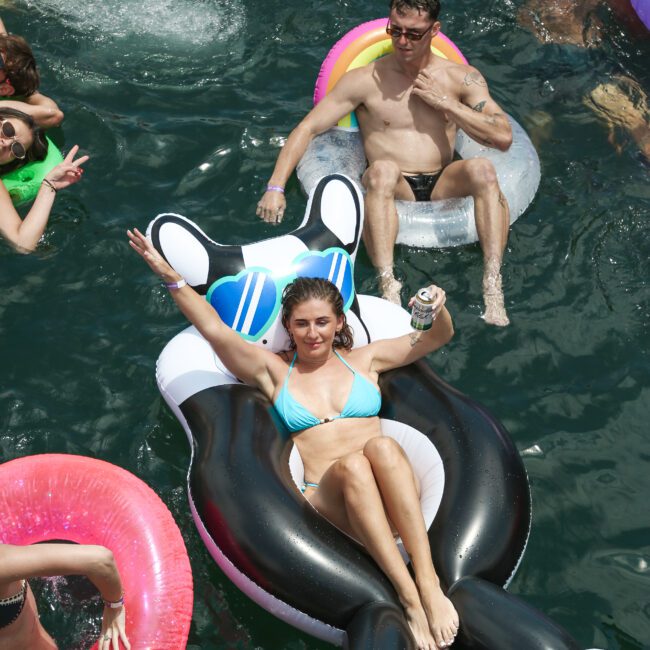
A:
[364,401]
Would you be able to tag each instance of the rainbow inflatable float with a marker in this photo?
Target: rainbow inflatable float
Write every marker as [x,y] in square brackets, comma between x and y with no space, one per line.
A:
[340,150]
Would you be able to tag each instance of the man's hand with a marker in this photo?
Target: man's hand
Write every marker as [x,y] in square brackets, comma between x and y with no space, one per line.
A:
[427,89]
[271,206]
[472,109]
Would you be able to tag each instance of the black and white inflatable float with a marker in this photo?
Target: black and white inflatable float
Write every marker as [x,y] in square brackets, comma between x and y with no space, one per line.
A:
[243,475]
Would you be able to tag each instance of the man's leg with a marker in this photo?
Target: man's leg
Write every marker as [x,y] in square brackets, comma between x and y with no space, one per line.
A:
[477,178]
[383,182]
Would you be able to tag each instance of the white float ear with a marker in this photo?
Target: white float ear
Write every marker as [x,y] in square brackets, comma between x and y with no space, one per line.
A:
[183,244]
[341,206]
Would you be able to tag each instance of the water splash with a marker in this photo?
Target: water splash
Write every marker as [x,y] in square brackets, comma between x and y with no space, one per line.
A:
[163,23]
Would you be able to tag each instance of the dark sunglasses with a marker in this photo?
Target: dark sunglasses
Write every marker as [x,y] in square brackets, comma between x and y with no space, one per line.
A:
[396,32]
[7,131]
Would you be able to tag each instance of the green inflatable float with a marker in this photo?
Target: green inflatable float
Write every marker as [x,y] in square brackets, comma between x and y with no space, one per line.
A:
[23,184]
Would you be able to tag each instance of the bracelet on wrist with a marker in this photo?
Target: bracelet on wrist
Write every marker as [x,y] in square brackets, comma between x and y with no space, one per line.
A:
[114,604]
[275,188]
[49,184]
[173,286]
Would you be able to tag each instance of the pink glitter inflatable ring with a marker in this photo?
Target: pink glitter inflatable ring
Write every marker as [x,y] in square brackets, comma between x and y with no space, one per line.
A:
[89,501]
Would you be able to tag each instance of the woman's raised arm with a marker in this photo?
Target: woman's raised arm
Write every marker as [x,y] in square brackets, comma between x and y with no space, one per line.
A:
[24,234]
[394,353]
[247,362]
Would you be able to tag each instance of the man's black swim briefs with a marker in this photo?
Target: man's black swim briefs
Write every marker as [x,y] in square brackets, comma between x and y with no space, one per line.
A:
[422,184]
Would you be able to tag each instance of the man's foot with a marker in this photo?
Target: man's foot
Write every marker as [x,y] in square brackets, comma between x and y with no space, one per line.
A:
[417,620]
[441,614]
[390,287]
[495,310]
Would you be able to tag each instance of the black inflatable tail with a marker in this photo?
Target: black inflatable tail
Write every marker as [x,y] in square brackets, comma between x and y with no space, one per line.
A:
[379,626]
[243,492]
[491,618]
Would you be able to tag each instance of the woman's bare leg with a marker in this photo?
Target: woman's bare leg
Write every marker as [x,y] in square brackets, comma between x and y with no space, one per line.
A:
[349,497]
[394,475]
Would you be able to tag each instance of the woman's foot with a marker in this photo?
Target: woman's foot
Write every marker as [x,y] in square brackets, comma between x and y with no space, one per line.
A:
[419,624]
[441,614]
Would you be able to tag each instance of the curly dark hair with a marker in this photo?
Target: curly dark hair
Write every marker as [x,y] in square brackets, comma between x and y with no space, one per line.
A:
[38,150]
[302,289]
[432,7]
[20,65]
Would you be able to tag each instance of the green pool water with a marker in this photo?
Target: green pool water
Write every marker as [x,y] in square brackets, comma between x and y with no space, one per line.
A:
[182,106]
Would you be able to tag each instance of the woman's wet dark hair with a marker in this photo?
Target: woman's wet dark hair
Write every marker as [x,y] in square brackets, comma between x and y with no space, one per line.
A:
[302,289]
[37,151]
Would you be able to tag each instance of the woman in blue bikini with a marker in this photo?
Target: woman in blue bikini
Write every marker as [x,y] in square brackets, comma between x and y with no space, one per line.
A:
[327,395]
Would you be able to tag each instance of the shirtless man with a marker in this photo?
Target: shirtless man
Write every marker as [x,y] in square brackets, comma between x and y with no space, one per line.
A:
[409,105]
[19,80]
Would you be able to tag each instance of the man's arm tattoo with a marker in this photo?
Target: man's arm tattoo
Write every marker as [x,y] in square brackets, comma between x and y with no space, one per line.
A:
[415,338]
[474,78]
[479,107]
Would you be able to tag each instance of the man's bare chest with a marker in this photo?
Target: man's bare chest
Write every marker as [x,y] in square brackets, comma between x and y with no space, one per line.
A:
[400,111]
[393,105]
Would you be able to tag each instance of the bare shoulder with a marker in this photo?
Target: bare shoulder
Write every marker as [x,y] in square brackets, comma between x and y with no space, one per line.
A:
[461,72]
[458,75]
[364,358]
[359,358]
[277,367]
[358,77]
[281,360]
[470,76]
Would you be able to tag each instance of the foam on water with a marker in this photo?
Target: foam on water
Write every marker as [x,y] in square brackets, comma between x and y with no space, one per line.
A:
[159,22]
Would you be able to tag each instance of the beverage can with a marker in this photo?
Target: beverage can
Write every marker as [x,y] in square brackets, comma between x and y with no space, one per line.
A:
[422,312]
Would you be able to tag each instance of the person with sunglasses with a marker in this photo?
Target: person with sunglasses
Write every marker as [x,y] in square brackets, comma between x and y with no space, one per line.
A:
[22,142]
[325,391]
[20,80]
[409,105]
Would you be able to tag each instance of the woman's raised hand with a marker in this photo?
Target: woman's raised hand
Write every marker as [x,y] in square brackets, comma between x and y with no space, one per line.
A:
[141,245]
[68,172]
[113,630]
[439,298]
